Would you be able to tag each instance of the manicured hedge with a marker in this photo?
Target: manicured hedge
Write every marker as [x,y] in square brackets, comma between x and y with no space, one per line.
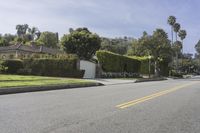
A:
[112,62]
[12,66]
[58,67]
[50,67]
[144,67]
[116,63]
[164,68]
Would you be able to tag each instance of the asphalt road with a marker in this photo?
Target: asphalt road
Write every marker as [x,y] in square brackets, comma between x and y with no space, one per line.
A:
[153,107]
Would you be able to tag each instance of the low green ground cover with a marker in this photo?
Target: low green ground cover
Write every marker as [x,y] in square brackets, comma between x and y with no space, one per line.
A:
[24,81]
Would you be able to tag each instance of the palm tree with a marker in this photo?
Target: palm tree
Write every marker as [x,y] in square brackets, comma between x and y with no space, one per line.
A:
[171,21]
[177,48]
[25,28]
[182,34]
[19,29]
[177,27]
[34,32]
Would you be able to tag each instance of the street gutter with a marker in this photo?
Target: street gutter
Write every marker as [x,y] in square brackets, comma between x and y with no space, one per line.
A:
[150,79]
[13,90]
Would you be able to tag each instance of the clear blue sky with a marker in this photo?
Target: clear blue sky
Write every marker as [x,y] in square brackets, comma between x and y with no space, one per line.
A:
[109,18]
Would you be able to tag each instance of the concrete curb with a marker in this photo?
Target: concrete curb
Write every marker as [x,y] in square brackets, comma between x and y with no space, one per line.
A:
[149,80]
[184,77]
[13,90]
[114,81]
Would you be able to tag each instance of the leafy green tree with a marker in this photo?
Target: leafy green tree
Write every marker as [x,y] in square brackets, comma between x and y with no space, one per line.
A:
[81,42]
[190,64]
[2,41]
[177,50]
[18,40]
[171,21]
[48,39]
[137,48]
[177,27]
[116,45]
[133,51]
[156,45]
[7,39]
[178,46]
[160,47]
[27,34]
[197,47]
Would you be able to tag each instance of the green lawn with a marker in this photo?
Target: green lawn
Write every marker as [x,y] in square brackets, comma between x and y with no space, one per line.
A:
[22,81]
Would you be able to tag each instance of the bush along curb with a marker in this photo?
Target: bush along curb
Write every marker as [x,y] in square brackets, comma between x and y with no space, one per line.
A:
[13,90]
[150,79]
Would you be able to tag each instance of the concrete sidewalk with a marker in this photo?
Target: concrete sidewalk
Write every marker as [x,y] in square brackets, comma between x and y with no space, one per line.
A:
[113,81]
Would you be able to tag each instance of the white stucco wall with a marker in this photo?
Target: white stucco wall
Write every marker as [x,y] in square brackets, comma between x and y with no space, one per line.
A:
[89,67]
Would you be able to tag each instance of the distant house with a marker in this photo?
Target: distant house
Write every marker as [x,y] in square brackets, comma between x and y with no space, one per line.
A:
[22,51]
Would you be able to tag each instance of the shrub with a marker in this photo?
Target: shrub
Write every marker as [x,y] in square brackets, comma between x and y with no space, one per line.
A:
[176,74]
[57,67]
[74,74]
[112,62]
[64,67]
[24,71]
[119,75]
[2,68]
[12,65]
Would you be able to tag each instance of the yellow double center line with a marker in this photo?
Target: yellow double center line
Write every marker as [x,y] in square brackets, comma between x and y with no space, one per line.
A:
[152,96]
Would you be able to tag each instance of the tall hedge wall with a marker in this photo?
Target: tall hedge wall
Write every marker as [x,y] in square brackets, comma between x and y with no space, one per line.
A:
[164,68]
[112,62]
[12,66]
[63,67]
[50,67]
[144,68]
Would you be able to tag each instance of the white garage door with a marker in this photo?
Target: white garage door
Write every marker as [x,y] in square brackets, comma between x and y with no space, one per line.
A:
[89,67]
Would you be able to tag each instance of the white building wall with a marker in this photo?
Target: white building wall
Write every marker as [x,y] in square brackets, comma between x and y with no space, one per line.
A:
[89,67]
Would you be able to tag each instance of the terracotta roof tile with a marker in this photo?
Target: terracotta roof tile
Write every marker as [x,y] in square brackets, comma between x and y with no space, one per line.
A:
[33,49]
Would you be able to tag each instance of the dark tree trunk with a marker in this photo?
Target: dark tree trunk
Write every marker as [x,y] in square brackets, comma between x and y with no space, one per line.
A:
[172,35]
[182,55]
[156,70]
[176,61]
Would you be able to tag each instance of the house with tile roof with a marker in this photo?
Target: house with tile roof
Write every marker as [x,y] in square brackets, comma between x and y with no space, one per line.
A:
[22,51]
